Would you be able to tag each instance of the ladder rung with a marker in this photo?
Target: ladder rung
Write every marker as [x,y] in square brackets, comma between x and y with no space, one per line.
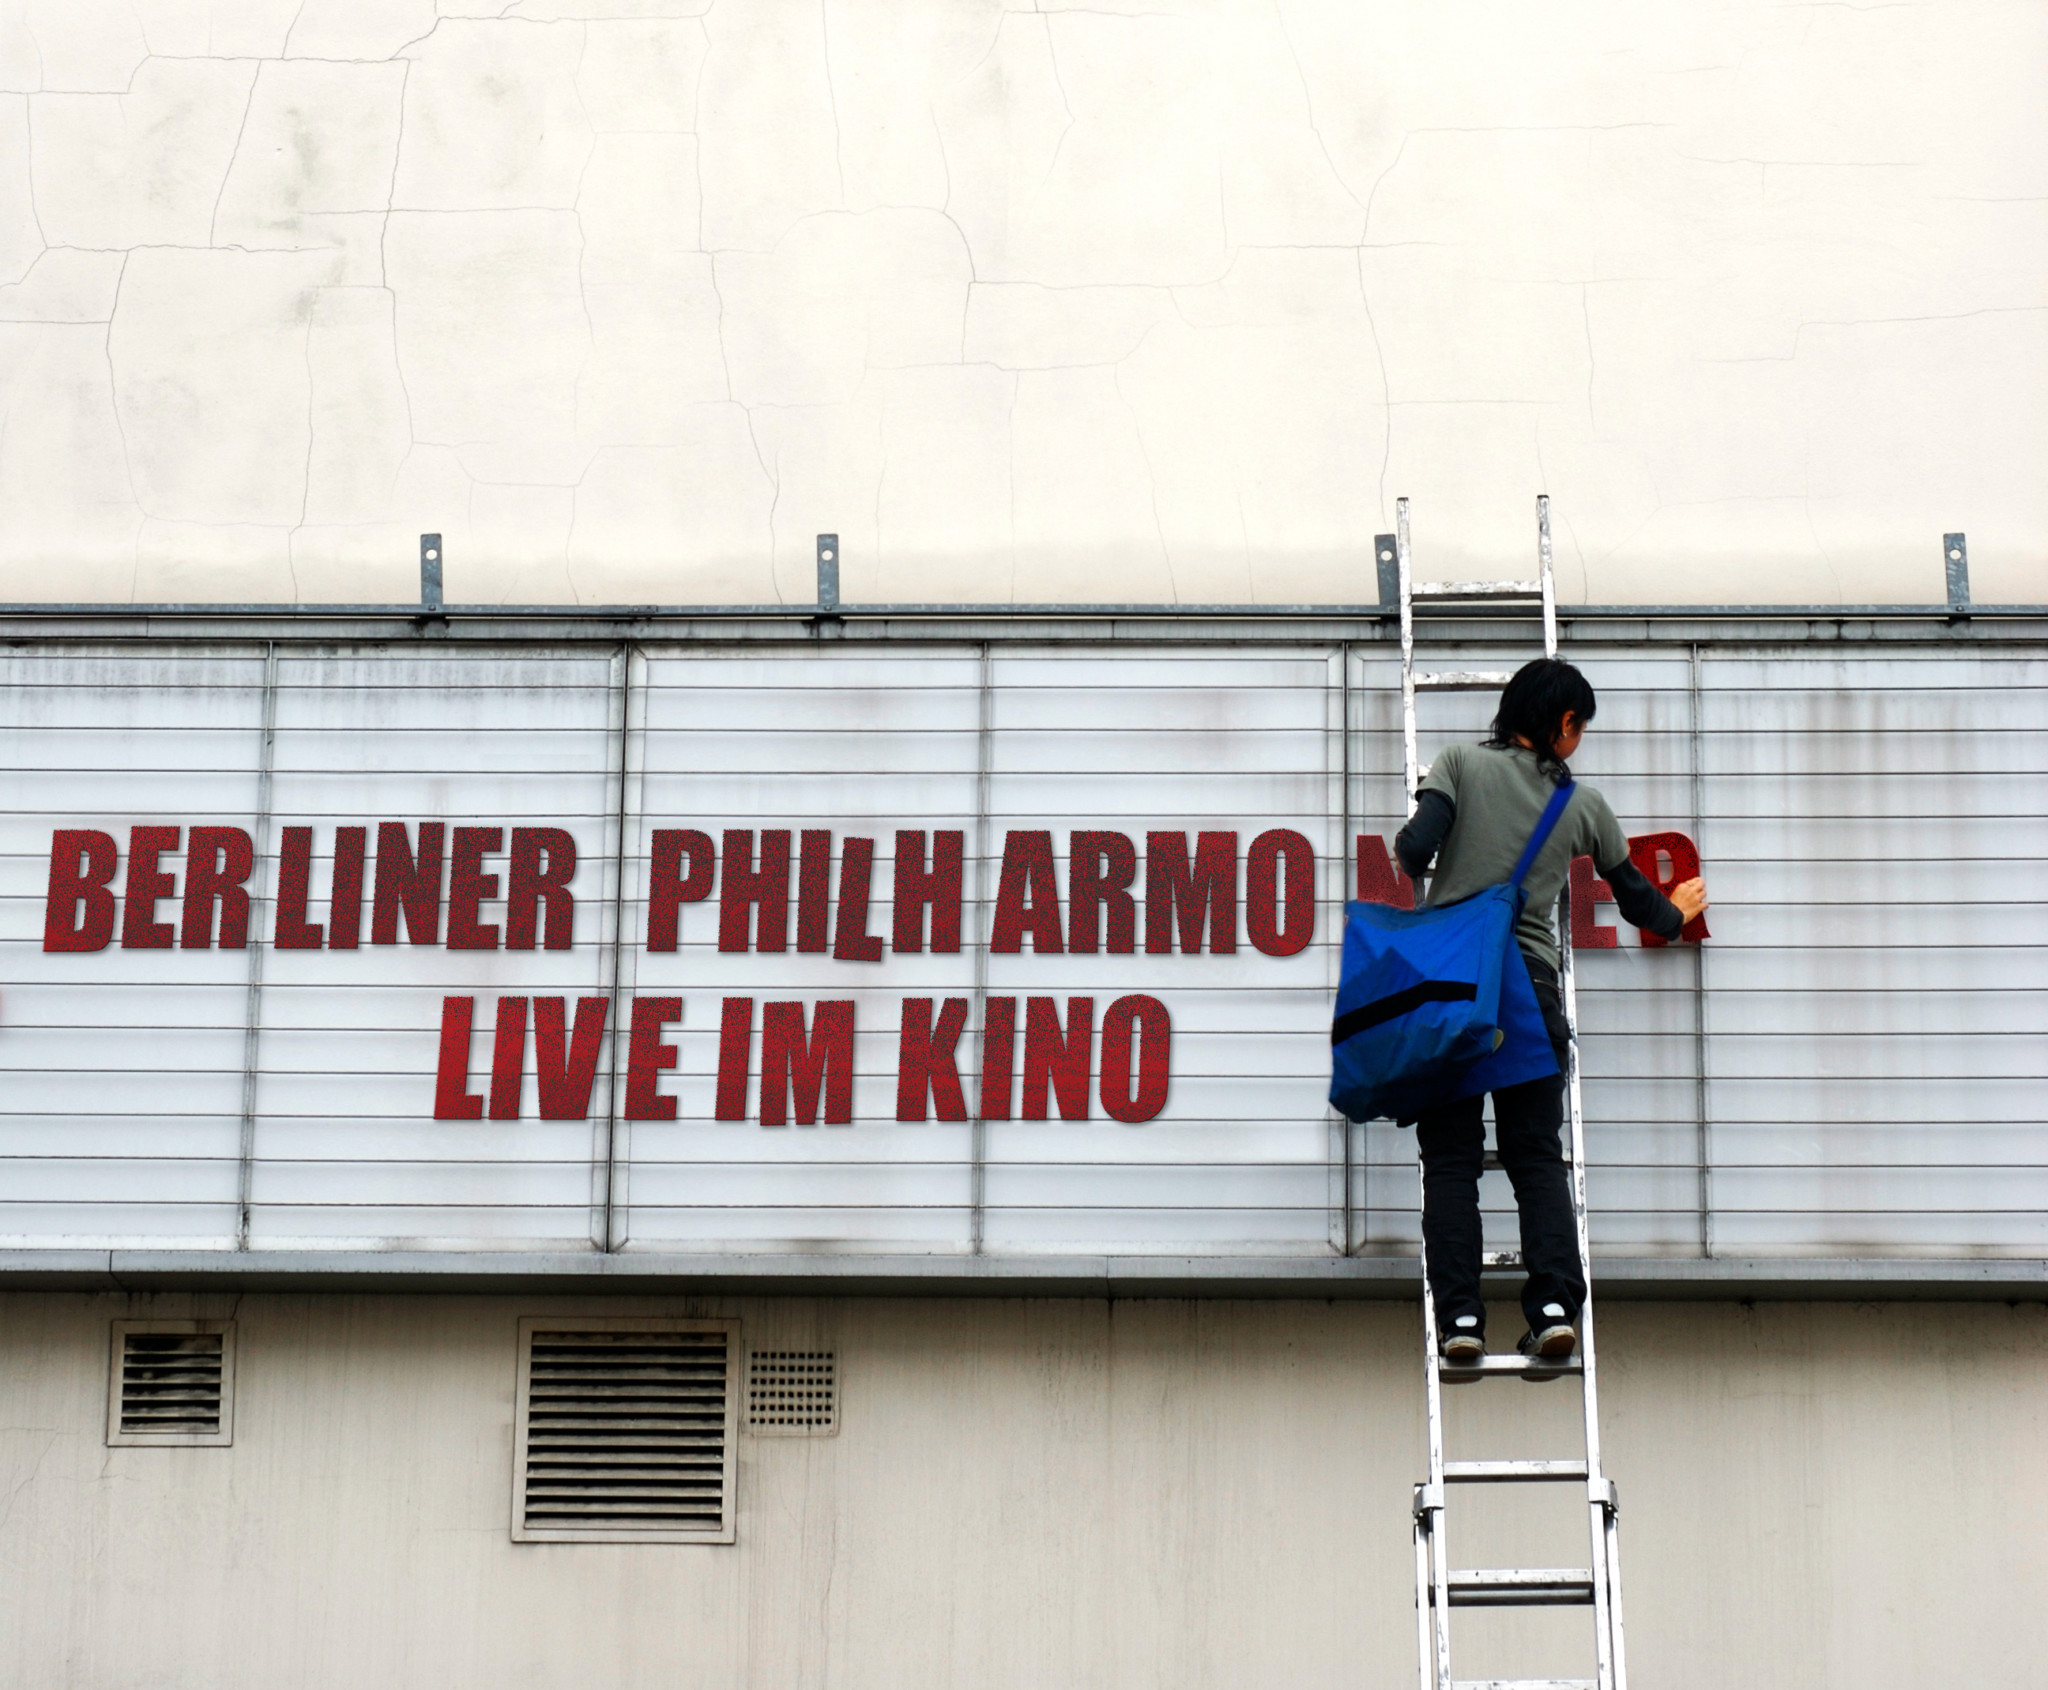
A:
[1523,1684]
[1510,1472]
[1520,1587]
[1500,1261]
[1508,1366]
[1463,680]
[1490,1164]
[1476,590]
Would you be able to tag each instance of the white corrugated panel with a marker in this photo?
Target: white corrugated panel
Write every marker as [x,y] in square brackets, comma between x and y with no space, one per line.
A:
[1863,1072]
[120,1070]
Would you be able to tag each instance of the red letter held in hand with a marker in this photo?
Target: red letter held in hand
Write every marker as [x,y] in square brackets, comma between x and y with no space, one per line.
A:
[1264,880]
[140,929]
[452,1098]
[217,862]
[1178,899]
[1059,1057]
[998,1057]
[1142,1021]
[563,1077]
[1027,871]
[646,1056]
[670,886]
[1379,882]
[403,884]
[508,1058]
[735,1045]
[1100,869]
[745,886]
[543,864]
[294,887]
[926,1071]
[794,1068]
[851,940]
[82,862]
[939,887]
[1650,852]
[1589,889]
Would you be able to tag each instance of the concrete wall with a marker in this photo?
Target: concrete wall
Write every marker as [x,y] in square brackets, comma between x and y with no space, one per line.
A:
[1149,301]
[1035,1493]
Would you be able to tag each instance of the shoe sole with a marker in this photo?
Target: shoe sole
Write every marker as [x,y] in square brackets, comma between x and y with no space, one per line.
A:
[1555,1343]
[1463,1351]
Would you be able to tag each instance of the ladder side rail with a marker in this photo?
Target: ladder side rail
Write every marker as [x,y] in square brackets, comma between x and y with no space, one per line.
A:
[1546,575]
[1430,1516]
[1404,564]
[1610,1536]
[1601,1524]
[1425,1605]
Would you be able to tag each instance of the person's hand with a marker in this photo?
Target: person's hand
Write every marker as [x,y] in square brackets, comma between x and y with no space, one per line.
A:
[1691,898]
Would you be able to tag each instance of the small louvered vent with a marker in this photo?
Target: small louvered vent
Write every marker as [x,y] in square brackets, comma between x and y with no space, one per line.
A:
[625,1432]
[793,1392]
[173,1382]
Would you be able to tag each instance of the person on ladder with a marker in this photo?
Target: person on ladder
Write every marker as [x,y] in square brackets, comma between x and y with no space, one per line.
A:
[1473,812]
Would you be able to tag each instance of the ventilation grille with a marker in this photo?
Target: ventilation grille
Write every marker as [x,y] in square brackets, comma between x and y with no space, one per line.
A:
[626,1433]
[173,1382]
[793,1392]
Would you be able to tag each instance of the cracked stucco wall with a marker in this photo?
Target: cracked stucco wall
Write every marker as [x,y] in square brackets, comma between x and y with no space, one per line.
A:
[630,298]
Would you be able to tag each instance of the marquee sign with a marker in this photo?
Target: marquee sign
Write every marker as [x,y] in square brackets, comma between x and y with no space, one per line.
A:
[919,948]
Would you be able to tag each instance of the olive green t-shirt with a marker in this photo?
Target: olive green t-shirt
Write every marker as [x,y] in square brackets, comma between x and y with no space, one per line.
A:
[1499,796]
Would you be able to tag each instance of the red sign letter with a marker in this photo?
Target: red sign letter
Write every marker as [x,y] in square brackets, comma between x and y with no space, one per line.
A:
[508,1058]
[543,864]
[563,1077]
[1589,889]
[82,862]
[746,886]
[1649,852]
[1264,897]
[1143,1021]
[939,887]
[217,862]
[1100,869]
[1059,1057]
[926,1070]
[735,1044]
[1379,882]
[452,1098]
[668,887]
[403,884]
[646,1056]
[1177,898]
[294,887]
[140,929]
[795,1068]
[851,940]
[1027,871]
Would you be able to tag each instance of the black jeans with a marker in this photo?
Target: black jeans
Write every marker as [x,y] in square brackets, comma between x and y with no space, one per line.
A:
[1452,1141]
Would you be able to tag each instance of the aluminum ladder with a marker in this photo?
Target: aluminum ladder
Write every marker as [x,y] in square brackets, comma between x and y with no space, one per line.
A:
[1438,1586]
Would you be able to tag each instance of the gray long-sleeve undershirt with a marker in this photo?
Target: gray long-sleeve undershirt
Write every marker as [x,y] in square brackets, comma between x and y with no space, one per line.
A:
[1640,903]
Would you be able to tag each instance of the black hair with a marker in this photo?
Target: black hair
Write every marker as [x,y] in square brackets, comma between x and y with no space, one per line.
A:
[1534,703]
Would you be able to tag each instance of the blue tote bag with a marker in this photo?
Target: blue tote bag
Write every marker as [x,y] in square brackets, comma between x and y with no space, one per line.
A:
[1435,1004]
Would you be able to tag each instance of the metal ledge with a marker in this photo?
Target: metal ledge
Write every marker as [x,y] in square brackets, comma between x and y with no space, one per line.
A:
[567,1271]
[528,626]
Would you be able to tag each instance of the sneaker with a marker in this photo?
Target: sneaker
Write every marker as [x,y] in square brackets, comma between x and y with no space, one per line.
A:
[1463,1340]
[1554,1339]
